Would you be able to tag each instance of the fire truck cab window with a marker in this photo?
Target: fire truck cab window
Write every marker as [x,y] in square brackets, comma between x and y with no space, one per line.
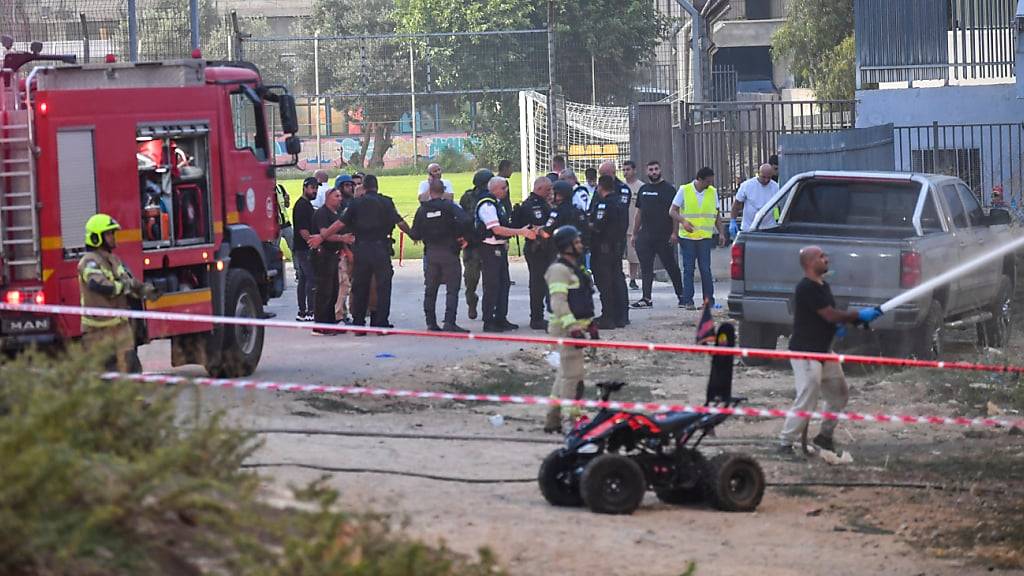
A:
[250,133]
[173,162]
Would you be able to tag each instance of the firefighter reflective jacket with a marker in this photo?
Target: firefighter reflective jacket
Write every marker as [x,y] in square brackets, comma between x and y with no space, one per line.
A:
[105,282]
[571,297]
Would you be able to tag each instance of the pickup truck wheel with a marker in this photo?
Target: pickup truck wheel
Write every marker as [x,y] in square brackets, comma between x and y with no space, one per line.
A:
[996,332]
[928,336]
[758,335]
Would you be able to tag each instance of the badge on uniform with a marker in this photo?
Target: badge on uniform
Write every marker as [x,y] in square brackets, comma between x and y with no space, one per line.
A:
[538,213]
[624,199]
[434,214]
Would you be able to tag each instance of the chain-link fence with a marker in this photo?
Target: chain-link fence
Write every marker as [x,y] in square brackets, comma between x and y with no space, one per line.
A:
[391,101]
[91,29]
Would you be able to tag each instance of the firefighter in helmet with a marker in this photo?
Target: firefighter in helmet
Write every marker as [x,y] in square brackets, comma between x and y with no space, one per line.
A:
[105,282]
[571,300]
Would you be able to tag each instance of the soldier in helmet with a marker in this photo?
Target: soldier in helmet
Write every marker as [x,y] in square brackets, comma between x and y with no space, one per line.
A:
[105,282]
[471,254]
[572,314]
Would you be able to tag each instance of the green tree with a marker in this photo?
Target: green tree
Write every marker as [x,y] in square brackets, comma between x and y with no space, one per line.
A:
[361,68]
[818,39]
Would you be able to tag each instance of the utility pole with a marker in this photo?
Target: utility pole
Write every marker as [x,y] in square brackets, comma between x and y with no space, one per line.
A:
[697,59]
[412,91]
[316,82]
[552,100]
[133,32]
[193,10]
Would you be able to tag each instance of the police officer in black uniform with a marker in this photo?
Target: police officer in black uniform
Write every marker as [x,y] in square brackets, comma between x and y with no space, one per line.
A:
[440,224]
[565,213]
[607,168]
[540,253]
[471,253]
[372,217]
[608,219]
[493,226]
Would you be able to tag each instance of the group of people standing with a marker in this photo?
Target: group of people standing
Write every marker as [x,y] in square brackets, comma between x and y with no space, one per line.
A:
[341,240]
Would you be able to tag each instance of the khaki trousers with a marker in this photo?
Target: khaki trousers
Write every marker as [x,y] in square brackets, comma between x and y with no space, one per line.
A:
[119,342]
[344,287]
[568,379]
[815,380]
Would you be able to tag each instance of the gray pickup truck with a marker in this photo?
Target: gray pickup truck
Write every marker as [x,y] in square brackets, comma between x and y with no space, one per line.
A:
[884,233]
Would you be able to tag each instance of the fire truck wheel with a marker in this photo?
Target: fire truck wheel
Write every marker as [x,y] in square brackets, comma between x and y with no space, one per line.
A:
[243,345]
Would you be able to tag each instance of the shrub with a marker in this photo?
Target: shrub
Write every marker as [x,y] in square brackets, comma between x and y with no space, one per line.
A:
[121,478]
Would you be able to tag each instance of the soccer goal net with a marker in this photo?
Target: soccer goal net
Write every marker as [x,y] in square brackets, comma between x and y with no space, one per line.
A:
[587,135]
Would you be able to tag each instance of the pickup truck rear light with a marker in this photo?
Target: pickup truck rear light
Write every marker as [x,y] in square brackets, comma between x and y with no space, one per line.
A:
[736,263]
[910,269]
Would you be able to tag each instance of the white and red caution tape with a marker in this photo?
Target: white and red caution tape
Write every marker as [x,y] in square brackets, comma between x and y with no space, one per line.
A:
[564,402]
[504,337]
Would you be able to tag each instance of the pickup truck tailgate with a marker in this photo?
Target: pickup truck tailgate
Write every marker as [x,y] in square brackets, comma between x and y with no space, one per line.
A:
[861,271]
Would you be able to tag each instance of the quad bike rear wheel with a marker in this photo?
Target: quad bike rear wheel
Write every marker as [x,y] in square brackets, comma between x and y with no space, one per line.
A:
[613,484]
[556,481]
[735,483]
[696,468]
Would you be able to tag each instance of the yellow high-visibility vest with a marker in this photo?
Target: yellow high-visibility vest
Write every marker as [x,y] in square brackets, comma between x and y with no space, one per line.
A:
[702,215]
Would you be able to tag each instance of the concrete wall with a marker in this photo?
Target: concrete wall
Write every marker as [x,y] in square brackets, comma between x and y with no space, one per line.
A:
[992,104]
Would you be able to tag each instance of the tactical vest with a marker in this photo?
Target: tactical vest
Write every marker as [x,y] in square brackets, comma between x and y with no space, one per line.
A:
[503,220]
[438,222]
[115,272]
[701,215]
[580,294]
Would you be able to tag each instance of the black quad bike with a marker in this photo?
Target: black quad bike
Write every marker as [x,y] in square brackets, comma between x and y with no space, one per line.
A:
[608,463]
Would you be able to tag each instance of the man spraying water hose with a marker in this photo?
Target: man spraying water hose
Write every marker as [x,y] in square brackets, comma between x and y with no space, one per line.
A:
[816,321]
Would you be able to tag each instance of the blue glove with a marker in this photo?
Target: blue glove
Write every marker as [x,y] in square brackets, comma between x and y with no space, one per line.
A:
[734,228]
[841,332]
[869,315]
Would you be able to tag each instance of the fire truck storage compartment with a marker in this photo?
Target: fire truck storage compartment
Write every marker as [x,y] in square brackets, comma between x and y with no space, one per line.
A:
[76,171]
[173,164]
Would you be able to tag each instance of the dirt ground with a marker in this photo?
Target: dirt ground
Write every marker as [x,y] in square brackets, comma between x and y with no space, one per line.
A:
[963,515]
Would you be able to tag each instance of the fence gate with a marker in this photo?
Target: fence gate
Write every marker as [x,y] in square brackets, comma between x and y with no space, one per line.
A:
[734,138]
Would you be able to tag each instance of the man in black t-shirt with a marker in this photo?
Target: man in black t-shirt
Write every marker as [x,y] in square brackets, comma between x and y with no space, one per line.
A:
[655,233]
[816,321]
[305,277]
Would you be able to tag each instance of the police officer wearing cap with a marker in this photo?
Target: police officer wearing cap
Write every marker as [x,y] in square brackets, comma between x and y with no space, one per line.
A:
[565,213]
[105,282]
[534,211]
[372,217]
[572,315]
[440,224]
[471,253]
[608,220]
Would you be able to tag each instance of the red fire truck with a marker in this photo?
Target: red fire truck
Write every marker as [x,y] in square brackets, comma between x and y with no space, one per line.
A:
[179,153]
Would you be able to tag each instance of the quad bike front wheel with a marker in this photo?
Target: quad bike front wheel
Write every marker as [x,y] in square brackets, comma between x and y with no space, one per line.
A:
[613,484]
[556,479]
[735,483]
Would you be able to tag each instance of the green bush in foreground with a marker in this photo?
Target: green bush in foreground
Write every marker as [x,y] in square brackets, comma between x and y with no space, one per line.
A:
[109,478]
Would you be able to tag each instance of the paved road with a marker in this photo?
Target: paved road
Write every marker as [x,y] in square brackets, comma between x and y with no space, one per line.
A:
[297,355]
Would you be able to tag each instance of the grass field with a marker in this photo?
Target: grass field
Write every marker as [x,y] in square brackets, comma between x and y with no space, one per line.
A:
[403,190]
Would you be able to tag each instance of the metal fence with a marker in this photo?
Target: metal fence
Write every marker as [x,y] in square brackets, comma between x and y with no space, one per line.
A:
[734,138]
[397,99]
[951,40]
[91,29]
[982,155]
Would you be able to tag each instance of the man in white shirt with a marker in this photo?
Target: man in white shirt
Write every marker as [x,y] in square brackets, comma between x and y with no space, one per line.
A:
[492,217]
[434,175]
[325,186]
[751,197]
